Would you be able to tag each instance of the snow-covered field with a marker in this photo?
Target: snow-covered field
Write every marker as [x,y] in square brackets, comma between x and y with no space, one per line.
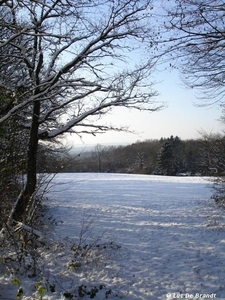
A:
[150,237]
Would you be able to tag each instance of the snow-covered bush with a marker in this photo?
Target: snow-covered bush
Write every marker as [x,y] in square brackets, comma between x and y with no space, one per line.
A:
[39,266]
[219,190]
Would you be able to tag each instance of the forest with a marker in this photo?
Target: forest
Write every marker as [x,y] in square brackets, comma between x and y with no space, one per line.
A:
[170,156]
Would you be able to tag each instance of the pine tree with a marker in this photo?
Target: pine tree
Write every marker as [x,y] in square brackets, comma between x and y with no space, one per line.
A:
[168,161]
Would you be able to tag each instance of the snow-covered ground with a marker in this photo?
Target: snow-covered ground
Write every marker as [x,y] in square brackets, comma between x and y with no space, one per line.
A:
[150,237]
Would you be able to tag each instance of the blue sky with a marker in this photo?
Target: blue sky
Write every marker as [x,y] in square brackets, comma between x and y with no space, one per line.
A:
[181,117]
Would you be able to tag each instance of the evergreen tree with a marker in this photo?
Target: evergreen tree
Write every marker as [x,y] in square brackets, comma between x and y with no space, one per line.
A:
[168,161]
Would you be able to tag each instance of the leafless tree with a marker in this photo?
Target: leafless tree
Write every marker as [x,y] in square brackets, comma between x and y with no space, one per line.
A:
[99,153]
[213,157]
[193,34]
[67,63]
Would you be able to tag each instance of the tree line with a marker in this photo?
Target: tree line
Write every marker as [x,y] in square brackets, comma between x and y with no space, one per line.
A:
[170,156]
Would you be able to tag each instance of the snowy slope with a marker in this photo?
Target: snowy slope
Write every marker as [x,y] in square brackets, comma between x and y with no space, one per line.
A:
[159,237]
[171,234]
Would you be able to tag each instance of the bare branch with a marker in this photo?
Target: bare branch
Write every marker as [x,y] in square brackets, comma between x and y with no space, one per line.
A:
[195,42]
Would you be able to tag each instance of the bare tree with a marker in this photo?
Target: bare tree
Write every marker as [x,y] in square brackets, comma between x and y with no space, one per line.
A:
[70,62]
[194,40]
[213,158]
[99,152]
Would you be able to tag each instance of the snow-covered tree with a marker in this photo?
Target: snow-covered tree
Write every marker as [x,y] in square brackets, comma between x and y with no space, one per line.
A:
[194,42]
[213,154]
[12,156]
[71,62]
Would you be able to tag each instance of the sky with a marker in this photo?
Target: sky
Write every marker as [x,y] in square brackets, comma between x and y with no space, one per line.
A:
[183,116]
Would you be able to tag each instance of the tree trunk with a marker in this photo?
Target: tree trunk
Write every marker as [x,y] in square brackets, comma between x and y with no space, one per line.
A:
[19,210]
